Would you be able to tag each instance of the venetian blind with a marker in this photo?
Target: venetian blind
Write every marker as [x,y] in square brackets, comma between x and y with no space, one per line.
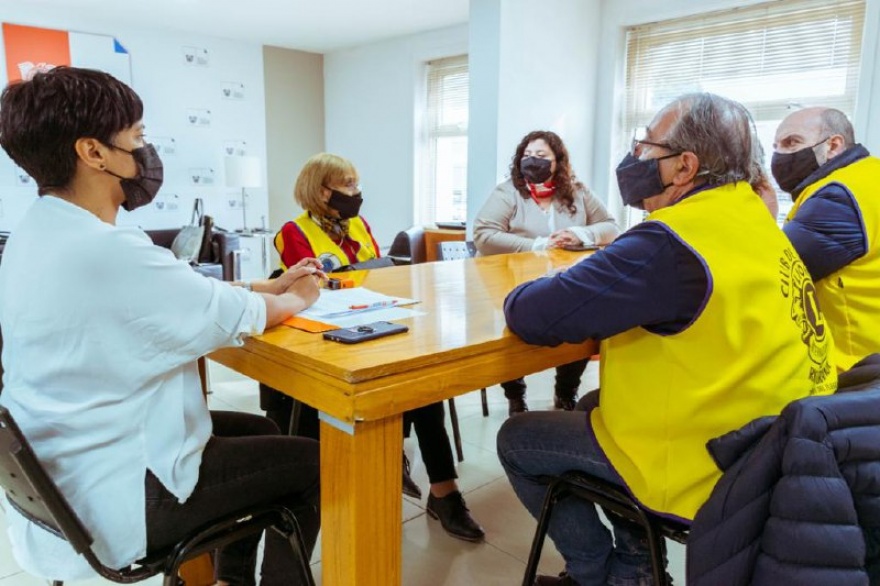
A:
[770,57]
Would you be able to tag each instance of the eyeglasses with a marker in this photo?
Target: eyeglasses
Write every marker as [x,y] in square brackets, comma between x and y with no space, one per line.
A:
[354,187]
[638,141]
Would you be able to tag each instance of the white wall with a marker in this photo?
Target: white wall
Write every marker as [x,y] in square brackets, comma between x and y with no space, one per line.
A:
[294,125]
[169,88]
[618,14]
[371,94]
[537,72]
[484,62]
[514,64]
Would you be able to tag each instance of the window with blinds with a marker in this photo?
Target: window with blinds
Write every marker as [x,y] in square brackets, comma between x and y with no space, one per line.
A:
[442,193]
[773,57]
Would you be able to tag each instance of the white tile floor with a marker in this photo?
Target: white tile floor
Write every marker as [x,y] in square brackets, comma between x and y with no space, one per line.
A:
[430,557]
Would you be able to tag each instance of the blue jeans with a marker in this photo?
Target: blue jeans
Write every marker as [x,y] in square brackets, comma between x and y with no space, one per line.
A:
[549,443]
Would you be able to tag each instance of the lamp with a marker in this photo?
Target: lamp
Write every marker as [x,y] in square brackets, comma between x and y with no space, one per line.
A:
[244,171]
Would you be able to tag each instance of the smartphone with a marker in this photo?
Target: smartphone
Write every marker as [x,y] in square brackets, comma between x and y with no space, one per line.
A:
[365,332]
[581,246]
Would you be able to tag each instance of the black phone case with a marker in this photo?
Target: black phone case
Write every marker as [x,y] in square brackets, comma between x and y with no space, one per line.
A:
[365,332]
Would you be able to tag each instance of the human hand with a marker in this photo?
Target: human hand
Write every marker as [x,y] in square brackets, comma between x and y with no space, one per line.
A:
[309,262]
[304,283]
[563,238]
[307,266]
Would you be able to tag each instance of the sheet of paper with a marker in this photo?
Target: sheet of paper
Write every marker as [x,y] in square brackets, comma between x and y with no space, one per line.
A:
[346,302]
[360,318]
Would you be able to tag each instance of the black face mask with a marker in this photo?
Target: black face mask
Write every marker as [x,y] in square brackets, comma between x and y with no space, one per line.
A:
[348,206]
[789,169]
[535,169]
[639,179]
[141,190]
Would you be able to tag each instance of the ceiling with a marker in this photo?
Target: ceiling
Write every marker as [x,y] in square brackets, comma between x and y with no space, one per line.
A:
[310,25]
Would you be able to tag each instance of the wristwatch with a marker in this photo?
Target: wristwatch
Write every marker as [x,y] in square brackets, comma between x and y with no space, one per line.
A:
[248,285]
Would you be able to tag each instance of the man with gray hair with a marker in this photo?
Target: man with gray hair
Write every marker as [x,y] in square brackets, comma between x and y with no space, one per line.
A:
[706,324]
[834,223]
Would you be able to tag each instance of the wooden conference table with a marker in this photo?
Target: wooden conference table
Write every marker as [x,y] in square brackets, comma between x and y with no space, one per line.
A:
[460,344]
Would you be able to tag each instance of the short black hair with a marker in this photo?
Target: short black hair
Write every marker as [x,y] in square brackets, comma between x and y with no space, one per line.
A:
[41,120]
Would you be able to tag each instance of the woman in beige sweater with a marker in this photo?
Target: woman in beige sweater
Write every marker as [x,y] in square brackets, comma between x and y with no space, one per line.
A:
[542,206]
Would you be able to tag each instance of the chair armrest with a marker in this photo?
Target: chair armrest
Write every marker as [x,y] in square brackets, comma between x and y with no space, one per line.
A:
[226,244]
[164,237]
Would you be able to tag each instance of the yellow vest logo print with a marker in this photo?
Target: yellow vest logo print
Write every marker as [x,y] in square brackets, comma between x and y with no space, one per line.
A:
[797,286]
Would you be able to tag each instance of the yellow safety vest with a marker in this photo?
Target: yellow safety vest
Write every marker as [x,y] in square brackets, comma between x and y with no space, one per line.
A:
[327,251]
[758,344]
[850,297]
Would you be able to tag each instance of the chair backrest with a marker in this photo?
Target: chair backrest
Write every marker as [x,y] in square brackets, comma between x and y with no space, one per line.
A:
[409,246]
[224,245]
[456,249]
[30,490]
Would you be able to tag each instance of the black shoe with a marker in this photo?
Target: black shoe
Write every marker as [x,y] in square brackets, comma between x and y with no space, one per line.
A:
[516,406]
[562,579]
[454,516]
[410,488]
[565,403]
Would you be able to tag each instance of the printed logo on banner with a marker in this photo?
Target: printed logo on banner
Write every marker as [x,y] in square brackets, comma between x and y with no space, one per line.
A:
[201,176]
[234,148]
[167,202]
[198,117]
[196,56]
[232,90]
[164,145]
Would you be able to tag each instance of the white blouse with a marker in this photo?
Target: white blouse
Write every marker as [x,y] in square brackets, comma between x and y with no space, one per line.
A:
[101,331]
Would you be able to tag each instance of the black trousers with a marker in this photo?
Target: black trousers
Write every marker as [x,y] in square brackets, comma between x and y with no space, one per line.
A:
[428,422]
[246,463]
[568,379]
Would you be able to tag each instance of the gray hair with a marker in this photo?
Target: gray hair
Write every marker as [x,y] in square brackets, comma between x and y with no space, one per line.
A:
[721,133]
[836,122]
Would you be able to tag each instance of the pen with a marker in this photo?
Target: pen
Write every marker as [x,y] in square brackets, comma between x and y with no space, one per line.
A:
[374,305]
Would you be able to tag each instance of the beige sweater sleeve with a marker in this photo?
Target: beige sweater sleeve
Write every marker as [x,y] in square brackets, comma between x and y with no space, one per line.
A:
[600,225]
[492,231]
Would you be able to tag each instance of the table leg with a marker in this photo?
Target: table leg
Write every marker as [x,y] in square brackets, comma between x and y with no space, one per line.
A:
[361,504]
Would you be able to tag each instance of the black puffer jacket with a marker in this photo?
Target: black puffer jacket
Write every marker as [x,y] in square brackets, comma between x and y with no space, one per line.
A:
[799,502]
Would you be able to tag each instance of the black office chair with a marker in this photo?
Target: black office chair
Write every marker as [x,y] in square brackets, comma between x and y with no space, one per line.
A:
[615,501]
[32,493]
[408,247]
[454,250]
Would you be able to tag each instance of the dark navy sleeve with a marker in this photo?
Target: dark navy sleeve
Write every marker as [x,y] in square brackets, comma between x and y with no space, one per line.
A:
[646,278]
[828,231]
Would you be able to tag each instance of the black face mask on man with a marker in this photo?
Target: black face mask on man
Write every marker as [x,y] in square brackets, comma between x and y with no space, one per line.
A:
[141,189]
[348,206]
[639,179]
[535,169]
[789,169]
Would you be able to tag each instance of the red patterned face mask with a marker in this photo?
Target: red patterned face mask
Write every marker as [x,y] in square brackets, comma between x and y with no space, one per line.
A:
[542,191]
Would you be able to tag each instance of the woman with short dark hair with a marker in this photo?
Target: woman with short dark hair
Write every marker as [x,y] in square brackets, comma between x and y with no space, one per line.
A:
[102,330]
